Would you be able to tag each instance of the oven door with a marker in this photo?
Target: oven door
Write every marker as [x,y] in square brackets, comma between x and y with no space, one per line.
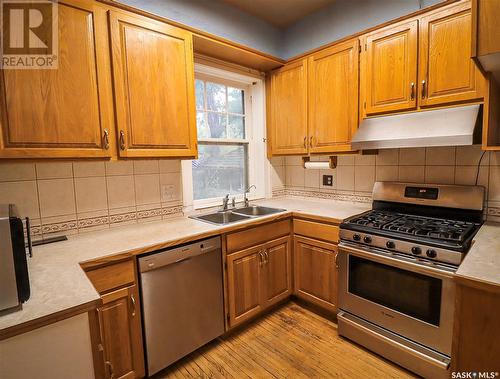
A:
[398,293]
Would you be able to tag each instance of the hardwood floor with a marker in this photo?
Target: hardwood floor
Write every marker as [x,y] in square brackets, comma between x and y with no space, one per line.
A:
[291,342]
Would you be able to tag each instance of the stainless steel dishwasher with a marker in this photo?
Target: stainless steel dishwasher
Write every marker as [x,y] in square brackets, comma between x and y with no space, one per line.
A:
[182,300]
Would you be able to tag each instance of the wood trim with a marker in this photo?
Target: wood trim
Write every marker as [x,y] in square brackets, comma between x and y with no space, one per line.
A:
[113,276]
[255,236]
[49,319]
[329,233]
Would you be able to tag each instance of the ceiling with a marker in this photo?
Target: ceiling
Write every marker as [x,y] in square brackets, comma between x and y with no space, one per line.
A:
[280,13]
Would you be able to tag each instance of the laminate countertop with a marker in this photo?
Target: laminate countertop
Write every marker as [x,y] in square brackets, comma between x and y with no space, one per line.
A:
[482,262]
[60,287]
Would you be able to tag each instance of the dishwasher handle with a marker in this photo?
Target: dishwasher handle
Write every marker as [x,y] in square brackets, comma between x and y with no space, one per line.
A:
[179,254]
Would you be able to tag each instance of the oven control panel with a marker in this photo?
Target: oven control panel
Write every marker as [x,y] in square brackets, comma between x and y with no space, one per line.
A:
[411,248]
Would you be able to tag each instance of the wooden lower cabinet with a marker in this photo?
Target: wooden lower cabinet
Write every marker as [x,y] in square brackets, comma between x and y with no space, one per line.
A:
[315,274]
[258,277]
[116,324]
[476,339]
[121,334]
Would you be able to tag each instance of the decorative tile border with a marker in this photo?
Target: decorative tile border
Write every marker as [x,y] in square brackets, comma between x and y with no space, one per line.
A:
[86,223]
[352,197]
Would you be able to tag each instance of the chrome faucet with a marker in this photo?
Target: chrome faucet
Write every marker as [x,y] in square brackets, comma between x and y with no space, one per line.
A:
[245,195]
[225,202]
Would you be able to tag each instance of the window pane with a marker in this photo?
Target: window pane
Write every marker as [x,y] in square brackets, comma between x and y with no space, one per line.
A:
[220,169]
[200,94]
[201,125]
[217,125]
[235,99]
[236,127]
[216,97]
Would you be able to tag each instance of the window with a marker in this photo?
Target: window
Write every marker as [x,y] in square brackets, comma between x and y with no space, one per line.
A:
[222,164]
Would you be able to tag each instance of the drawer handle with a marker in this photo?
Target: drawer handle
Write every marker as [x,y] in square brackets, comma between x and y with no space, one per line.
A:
[122,140]
[132,298]
[412,93]
[106,139]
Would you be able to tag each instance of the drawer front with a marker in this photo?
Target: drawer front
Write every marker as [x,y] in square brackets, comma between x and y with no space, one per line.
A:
[113,276]
[255,236]
[317,230]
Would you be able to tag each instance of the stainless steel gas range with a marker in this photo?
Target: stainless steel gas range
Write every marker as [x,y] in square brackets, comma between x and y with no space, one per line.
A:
[397,261]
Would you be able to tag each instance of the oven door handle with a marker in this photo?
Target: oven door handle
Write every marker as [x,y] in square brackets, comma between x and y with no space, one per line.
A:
[394,261]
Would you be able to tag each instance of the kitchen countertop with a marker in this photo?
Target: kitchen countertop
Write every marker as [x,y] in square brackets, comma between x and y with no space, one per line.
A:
[482,262]
[59,285]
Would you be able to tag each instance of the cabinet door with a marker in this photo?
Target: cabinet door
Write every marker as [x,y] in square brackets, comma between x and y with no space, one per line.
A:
[121,334]
[276,272]
[65,112]
[446,71]
[244,283]
[316,272]
[154,87]
[390,76]
[288,109]
[333,97]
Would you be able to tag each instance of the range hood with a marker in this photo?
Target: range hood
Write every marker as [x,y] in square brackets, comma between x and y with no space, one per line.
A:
[456,126]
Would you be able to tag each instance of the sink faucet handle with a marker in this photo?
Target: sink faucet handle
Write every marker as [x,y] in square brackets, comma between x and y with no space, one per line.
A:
[225,202]
[248,191]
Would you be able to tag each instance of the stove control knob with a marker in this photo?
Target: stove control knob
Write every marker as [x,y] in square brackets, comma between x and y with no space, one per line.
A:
[390,245]
[356,237]
[367,239]
[431,253]
[416,250]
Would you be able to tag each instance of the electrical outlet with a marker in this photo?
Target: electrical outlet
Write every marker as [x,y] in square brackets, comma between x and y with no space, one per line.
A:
[328,180]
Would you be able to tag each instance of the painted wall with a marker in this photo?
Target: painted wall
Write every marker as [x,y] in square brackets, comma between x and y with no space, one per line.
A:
[343,18]
[216,18]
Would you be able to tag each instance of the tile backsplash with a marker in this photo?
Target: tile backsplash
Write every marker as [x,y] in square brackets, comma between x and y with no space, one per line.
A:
[355,175]
[71,197]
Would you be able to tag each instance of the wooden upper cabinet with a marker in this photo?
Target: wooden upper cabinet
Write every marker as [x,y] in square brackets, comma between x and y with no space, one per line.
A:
[153,68]
[447,73]
[391,68]
[333,97]
[65,112]
[287,125]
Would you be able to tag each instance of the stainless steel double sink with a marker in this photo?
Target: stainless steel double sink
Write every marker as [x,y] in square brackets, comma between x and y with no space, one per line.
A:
[237,214]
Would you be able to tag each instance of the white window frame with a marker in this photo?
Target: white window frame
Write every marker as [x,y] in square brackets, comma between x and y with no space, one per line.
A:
[258,165]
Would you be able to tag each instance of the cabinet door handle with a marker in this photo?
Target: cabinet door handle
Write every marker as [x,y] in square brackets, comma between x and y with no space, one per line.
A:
[122,140]
[423,89]
[266,255]
[106,139]
[311,141]
[261,258]
[111,371]
[412,93]
[305,142]
[337,261]
[132,298]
